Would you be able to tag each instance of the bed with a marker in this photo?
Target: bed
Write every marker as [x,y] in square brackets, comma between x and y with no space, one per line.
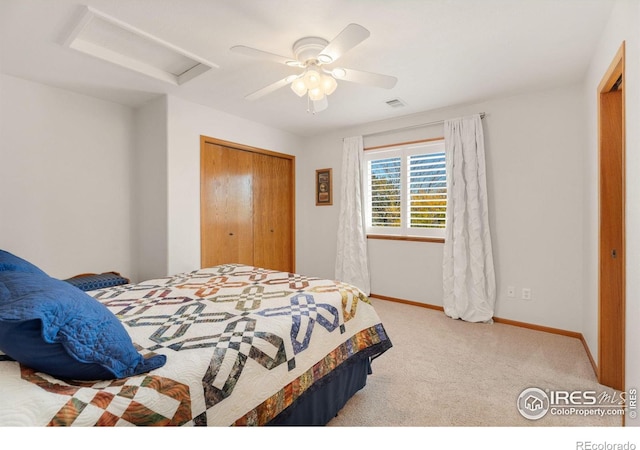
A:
[231,345]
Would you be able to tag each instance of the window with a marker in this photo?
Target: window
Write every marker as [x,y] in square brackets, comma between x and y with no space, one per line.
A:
[406,190]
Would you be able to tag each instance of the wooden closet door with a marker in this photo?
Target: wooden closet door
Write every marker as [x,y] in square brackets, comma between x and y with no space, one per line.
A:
[273,212]
[226,198]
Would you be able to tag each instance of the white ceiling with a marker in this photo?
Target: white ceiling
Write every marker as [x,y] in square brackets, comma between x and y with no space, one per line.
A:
[443,52]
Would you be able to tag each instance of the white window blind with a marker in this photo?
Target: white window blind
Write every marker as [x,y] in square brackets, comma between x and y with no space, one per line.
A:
[406,192]
[385,192]
[427,190]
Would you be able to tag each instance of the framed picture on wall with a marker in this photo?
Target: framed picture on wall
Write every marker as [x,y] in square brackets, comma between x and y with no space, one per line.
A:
[324,188]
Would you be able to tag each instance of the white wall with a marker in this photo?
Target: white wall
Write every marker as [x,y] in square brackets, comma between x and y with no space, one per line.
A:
[65,179]
[624,25]
[150,190]
[534,147]
[186,123]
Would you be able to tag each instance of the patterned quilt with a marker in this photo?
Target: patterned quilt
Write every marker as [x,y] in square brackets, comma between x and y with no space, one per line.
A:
[242,344]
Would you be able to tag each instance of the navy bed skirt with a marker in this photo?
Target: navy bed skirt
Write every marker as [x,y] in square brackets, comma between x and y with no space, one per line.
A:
[325,399]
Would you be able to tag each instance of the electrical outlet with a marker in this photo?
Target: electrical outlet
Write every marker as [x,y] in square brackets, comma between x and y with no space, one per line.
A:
[511,292]
[526,294]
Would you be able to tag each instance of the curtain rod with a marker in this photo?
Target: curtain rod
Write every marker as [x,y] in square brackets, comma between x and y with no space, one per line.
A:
[420,125]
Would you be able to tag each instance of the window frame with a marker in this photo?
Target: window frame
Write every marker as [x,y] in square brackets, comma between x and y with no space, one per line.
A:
[404,151]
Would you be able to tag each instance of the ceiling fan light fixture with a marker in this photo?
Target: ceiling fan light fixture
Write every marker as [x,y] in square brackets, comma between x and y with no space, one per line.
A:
[315,80]
[299,87]
[314,84]
[312,78]
[316,94]
[329,84]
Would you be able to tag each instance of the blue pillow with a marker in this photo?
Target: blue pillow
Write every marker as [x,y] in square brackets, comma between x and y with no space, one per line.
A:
[53,327]
[97,281]
[11,262]
[4,292]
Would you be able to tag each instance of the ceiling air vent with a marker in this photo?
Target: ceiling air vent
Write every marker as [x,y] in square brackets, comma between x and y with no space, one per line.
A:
[110,39]
[396,103]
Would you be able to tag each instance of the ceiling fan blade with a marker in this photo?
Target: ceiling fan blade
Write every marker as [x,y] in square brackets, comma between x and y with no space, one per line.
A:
[255,53]
[348,38]
[270,88]
[368,78]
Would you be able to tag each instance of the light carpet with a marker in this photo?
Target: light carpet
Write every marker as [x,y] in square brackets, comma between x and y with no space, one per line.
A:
[442,372]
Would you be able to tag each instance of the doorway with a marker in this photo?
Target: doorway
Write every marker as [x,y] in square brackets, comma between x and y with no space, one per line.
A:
[611,282]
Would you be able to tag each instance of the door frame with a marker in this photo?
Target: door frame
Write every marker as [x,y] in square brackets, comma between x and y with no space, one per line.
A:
[611,311]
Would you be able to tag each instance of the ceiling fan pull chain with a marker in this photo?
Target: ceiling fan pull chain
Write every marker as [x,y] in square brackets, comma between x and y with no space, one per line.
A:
[310,108]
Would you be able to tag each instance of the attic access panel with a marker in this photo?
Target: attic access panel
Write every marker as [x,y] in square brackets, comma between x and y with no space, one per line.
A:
[110,39]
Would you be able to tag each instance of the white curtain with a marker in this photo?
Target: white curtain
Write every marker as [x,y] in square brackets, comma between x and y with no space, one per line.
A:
[468,272]
[352,262]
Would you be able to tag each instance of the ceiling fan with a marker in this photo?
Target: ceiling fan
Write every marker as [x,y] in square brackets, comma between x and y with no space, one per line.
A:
[316,57]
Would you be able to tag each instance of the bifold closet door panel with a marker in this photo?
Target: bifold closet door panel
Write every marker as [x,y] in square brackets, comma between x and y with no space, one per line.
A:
[273,212]
[226,200]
